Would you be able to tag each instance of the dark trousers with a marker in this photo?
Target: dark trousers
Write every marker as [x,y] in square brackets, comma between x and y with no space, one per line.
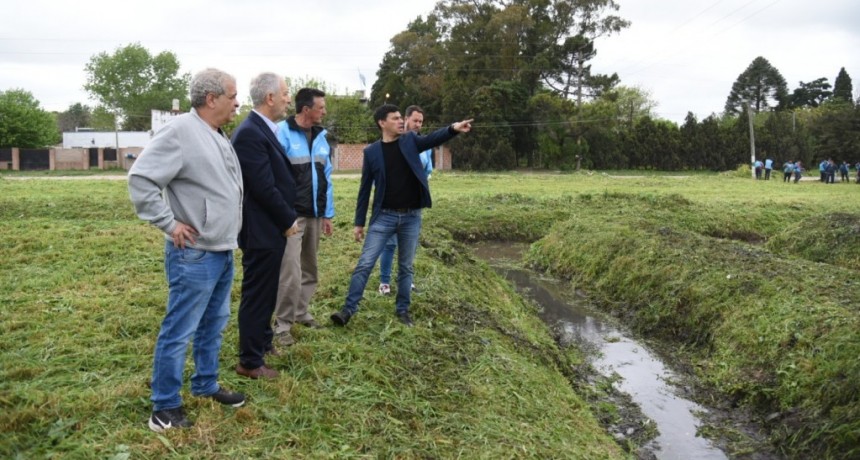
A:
[786,177]
[259,292]
[767,174]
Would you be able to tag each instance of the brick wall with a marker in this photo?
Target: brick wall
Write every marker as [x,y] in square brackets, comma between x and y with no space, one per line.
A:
[349,157]
[70,158]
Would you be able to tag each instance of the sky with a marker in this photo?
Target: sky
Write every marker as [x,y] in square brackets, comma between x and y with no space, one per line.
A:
[686,54]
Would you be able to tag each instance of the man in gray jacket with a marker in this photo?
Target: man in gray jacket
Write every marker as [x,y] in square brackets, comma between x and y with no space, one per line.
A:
[187,183]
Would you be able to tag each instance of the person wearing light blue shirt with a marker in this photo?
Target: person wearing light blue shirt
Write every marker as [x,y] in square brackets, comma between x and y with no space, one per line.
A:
[768,167]
[309,157]
[757,166]
[787,171]
[414,122]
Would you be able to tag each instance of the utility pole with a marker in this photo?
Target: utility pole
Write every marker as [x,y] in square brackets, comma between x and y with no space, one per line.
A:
[752,139]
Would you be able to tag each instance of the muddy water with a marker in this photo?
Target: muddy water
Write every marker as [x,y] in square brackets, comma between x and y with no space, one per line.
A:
[643,376]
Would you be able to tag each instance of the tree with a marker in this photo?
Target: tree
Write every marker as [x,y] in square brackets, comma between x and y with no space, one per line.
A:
[632,103]
[811,94]
[102,119]
[571,76]
[760,85]
[836,132]
[23,123]
[843,90]
[469,56]
[76,116]
[133,82]
[412,72]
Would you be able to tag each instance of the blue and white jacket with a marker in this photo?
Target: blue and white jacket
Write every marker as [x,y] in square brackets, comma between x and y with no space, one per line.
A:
[426,161]
[311,167]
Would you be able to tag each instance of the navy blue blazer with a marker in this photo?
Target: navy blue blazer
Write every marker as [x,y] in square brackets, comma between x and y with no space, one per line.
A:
[270,190]
[373,170]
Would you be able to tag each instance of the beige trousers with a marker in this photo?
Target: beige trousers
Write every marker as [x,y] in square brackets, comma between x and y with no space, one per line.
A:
[298,279]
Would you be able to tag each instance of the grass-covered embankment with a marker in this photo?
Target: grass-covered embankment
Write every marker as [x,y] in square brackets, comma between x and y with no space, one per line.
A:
[762,294]
[82,296]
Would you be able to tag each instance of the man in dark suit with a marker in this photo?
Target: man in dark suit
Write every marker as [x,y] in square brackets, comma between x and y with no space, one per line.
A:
[268,218]
[393,167]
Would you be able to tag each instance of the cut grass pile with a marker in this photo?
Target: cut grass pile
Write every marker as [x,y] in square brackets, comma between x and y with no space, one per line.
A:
[82,295]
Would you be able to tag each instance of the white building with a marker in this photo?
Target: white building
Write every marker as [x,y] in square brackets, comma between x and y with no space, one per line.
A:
[105,139]
[108,139]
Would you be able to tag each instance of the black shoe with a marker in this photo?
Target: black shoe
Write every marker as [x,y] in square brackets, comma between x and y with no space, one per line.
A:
[227,397]
[340,318]
[405,318]
[164,420]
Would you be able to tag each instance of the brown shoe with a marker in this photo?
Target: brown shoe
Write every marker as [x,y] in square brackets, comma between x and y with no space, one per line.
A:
[261,372]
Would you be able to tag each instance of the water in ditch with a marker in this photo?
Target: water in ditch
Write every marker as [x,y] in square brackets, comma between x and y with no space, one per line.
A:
[643,376]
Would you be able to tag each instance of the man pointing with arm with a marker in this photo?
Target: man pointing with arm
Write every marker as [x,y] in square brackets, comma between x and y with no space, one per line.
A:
[393,168]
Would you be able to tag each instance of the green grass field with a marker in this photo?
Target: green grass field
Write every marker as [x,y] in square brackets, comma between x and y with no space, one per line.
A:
[755,282]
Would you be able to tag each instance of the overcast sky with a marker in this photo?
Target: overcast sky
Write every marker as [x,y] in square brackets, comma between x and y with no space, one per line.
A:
[685,53]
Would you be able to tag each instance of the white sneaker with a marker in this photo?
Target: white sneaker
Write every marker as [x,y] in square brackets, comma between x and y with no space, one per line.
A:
[384,289]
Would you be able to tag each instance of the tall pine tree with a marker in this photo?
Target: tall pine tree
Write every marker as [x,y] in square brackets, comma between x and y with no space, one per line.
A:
[843,90]
[760,85]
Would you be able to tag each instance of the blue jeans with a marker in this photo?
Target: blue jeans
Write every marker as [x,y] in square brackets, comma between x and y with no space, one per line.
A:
[405,226]
[198,305]
[386,260]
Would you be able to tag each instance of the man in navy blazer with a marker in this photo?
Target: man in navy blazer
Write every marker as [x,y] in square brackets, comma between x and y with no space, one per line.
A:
[392,166]
[268,218]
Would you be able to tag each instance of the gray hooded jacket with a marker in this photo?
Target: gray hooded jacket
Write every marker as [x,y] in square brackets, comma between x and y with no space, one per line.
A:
[189,173]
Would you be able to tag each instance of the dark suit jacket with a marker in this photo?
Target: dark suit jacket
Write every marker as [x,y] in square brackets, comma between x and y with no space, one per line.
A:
[373,170]
[270,191]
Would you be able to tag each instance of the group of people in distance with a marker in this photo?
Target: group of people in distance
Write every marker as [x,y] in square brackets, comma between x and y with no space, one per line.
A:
[268,191]
[827,168]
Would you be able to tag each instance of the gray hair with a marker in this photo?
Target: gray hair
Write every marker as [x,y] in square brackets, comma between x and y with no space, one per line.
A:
[264,84]
[208,81]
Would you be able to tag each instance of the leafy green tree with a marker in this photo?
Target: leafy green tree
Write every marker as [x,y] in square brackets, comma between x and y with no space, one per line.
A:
[76,116]
[775,138]
[349,120]
[811,94]
[102,119]
[411,72]
[133,82]
[572,76]
[631,103]
[657,144]
[553,116]
[760,85]
[494,145]
[692,142]
[469,54]
[836,132]
[843,90]
[714,144]
[23,123]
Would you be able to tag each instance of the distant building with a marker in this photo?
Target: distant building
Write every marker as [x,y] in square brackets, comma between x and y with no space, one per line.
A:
[105,139]
[87,138]
[162,117]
